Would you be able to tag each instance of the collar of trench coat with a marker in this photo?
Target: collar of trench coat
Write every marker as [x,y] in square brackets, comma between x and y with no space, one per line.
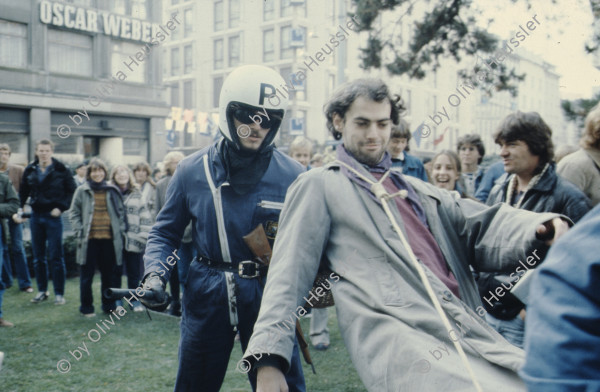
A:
[430,203]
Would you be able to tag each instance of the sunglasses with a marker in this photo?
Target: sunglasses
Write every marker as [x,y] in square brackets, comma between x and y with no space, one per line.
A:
[248,114]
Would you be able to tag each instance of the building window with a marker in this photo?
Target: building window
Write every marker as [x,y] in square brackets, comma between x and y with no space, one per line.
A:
[268,9]
[13,44]
[135,146]
[177,32]
[188,59]
[122,51]
[286,50]
[218,54]
[219,16]
[175,63]
[174,2]
[188,94]
[139,9]
[217,84]
[269,45]
[175,94]
[70,53]
[234,13]
[234,51]
[187,21]
[287,9]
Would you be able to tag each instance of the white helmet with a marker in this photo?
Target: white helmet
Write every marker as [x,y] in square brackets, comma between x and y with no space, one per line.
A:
[248,90]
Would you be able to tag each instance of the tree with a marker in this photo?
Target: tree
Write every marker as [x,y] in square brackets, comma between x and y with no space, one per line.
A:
[577,110]
[447,29]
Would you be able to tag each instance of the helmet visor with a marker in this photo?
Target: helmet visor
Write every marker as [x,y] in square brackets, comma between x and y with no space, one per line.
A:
[247,114]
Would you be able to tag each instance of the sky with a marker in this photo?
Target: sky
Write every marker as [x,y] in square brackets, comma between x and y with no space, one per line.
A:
[560,38]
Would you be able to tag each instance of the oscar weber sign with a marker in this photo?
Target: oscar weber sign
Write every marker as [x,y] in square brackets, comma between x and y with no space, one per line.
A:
[95,21]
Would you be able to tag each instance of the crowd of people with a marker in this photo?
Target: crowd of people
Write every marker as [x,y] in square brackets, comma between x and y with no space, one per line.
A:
[417,247]
[110,212]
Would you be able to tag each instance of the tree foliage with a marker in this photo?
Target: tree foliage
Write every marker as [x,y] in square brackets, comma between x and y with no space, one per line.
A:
[447,29]
[577,110]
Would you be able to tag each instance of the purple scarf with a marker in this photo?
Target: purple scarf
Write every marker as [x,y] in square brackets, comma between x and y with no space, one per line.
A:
[383,166]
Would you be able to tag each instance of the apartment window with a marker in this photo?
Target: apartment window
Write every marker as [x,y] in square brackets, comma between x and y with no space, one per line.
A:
[408,102]
[234,13]
[13,44]
[119,7]
[70,53]
[286,50]
[268,9]
[219,16]
[178,31]
[286,8]
[175,63]
[139,9]
[269,45]
[120,54]
[217,84]
[218,54]
[187,21]
[174,2]
[175,94]
[234,51]
[188,94]
[188,59]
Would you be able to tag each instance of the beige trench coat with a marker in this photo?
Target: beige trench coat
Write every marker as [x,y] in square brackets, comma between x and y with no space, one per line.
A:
[385,316]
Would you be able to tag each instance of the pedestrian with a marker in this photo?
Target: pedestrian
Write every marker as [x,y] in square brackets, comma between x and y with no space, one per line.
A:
[301,151]
[15,228]
[227,190]
[142,173]
[582,167]
[49,185]
[9,204]
[471,151]
[139,223]
[186,251]
[399,148]
[386,309]
[80,172]
[532,184]
[98,219]
[446,170]
[562,337]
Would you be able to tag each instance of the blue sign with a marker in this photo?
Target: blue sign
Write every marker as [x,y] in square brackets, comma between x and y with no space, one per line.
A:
[171,138]
[297,126]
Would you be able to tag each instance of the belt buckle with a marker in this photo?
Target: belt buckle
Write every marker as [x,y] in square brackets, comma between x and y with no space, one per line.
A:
[242,272]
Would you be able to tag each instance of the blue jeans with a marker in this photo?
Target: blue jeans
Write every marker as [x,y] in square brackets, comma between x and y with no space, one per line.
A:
[47,229]
[1,259]
[18,253]
[512,330]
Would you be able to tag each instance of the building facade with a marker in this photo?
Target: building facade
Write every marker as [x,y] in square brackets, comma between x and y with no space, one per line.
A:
[85,74]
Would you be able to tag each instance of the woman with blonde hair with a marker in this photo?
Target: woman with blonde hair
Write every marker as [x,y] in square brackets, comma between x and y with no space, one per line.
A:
[446,170]
[97,215]
[139,221]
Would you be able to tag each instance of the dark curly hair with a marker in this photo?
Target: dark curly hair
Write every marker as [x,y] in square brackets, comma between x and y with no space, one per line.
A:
[345,95]
[532,130]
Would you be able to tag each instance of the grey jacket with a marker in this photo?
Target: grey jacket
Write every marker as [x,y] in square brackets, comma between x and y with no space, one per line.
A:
[80,215]
[386,318]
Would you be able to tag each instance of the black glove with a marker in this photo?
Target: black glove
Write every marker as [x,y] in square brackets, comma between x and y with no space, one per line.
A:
[155,297]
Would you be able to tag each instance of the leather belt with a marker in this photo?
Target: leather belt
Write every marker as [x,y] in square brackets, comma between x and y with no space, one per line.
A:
[246,269]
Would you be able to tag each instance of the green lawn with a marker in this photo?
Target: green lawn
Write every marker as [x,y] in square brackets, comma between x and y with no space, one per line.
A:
[135,354]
